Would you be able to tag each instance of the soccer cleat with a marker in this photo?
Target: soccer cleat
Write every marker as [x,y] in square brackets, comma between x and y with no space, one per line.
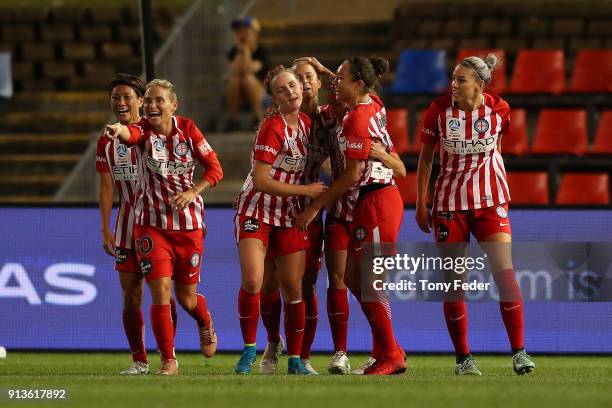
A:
[308,366]
[169,367]
[269,359]
[296,367]
[368,364]
[467,367]
[208,339]
[339,364]
[387,367]
[522,364]
[137,368]
[247,359]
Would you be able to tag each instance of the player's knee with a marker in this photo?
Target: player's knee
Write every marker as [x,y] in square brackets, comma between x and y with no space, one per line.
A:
[187,300]
[251,285]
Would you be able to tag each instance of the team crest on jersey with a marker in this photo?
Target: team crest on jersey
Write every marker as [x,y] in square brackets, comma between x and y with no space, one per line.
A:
[121,150]
[181,149]
[441,233]
[360,233]
[195,259]
[145,246]
[481,126]
[251,225]
[501,211]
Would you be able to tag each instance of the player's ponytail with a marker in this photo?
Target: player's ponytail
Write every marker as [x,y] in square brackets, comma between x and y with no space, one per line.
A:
[369,70]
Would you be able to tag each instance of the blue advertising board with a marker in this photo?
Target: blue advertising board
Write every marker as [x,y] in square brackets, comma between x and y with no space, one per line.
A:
[59,291]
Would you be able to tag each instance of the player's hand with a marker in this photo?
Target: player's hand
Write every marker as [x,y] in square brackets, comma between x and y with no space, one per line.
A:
[112,131]
[320,68]
[313,190]
[182,200]
[377,151]
[108,242]
[423,218]
[305,218]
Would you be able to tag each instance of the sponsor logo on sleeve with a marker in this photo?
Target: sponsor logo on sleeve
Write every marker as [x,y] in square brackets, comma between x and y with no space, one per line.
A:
[266,149]
[355,145]
[204,148]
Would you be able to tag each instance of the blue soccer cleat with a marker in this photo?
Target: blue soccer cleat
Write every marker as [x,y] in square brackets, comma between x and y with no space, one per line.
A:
[297,367]
[247,359]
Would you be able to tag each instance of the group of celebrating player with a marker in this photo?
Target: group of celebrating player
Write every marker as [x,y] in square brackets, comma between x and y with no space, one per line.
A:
[280,230]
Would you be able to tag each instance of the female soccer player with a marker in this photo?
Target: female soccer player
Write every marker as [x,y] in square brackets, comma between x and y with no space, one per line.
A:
[118,164]
[471,196]
[266,211]
[322,137]
[378,212]
[170,213]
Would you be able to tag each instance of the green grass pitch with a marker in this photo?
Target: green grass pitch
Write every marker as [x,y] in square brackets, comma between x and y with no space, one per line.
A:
[91,381]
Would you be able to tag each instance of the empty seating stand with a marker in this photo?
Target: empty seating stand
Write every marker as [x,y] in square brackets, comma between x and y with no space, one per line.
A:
[421,71]
[539,71]
[593,71]
[603,137]
[561,131]
[584,189]
[529,188]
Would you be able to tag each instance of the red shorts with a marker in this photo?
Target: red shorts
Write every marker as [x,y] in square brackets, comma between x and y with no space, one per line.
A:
[314,253]
[172,254]
[337,233]
[376,220]
[279,241]
[126,260]
[455,226]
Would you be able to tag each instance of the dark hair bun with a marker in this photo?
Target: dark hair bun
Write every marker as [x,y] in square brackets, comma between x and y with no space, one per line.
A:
[380,65]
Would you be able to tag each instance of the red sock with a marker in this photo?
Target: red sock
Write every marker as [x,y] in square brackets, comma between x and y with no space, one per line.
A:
[270,308]
[507,286]
[200,311]
[173,314]
[310,328]
[512,315]
[338,314]
[455,314]
[382,330]
[161,321]
[295,316]
[248,312]
[133,324]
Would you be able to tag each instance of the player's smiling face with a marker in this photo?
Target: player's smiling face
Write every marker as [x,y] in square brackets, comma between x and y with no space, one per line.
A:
[286,92]
[159,106]
[347,90]
[464,86]
[125,104]
[309,79]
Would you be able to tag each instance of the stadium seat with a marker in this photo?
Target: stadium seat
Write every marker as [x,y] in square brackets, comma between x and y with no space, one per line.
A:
[561,131]
[407,187]
[603,137]
[517,142]
[397,126]
[584,189]
[421,71]
[539,71]
[593,72]
[499,82]
[529,188]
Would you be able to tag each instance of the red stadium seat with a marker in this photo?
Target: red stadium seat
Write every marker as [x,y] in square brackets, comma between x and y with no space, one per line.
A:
[603,137]
[517,142]
[529,188]
[499,83]
[407,187]
[561,131]
[397,126]
[415,146]
[539,71]
[584,189]
[593,72]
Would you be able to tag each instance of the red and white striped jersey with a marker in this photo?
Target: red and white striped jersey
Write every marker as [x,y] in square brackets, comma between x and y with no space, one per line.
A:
[167,164]
[121,162]
[472,173]
[364,124]
[286,150]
